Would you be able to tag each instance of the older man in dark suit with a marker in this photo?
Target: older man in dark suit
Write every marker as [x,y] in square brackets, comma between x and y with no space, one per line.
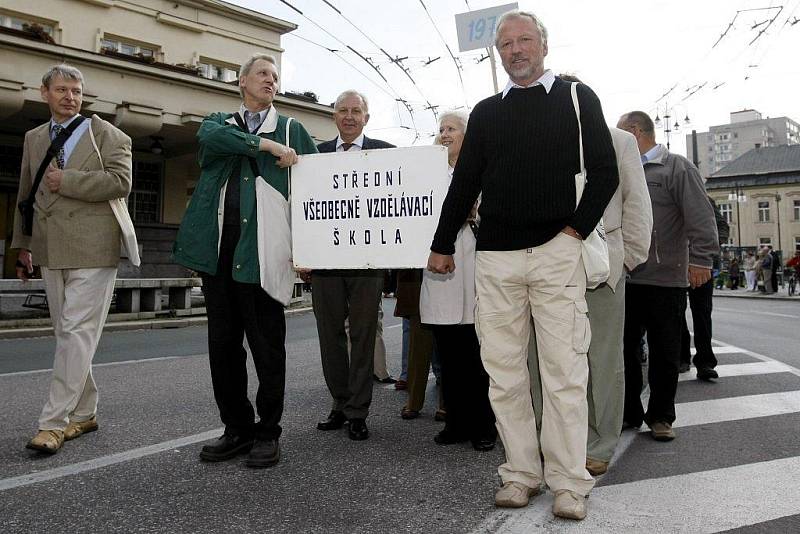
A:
[352,294]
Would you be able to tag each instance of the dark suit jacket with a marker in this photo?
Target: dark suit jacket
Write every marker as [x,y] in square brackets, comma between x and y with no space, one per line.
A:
[369,144]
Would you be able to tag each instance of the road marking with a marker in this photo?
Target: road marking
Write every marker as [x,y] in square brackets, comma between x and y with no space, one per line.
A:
[105,461]
[754,312]
[106,364]
[736,408]
[726,349]
[706,501]
[741,369]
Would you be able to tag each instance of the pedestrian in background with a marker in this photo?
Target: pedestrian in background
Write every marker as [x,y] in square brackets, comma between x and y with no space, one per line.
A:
[733,273]
[750,271]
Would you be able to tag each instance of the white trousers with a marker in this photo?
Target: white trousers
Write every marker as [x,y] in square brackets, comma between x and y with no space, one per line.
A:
[750,276]
[78,300]
[548,283]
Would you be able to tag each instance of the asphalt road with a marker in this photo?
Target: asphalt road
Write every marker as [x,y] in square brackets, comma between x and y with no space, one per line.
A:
[728,469]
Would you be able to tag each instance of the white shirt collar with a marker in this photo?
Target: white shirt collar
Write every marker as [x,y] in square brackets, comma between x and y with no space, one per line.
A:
[65,123]
[653,153]
[358,141]
[546,80]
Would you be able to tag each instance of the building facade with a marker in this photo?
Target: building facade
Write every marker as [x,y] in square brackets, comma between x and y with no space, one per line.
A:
[759,195]
[722,144]
[154,68]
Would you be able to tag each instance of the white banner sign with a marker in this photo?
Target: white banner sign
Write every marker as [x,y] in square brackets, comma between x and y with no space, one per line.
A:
[476,29]
[371,209]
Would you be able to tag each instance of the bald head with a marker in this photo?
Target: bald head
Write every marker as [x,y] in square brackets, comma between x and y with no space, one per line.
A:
[641,126]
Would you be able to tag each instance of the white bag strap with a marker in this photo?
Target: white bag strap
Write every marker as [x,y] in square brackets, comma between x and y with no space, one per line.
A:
[576,105]
[289,169]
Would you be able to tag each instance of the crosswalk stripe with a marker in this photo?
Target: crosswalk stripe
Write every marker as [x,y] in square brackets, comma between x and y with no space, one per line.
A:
[736,408]
[726,349]
[742,369]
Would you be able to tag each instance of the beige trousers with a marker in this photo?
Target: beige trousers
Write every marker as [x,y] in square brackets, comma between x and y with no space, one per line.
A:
[548,283]
[78,300]
[380,347]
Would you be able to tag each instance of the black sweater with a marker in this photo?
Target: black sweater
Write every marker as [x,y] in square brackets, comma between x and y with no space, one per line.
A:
[522,154]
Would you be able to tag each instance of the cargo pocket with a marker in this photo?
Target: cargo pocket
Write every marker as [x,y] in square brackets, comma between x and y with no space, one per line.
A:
[581,334]
[477,320]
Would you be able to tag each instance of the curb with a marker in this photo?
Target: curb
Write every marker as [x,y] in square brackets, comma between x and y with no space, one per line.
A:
[121,326]
[758,297]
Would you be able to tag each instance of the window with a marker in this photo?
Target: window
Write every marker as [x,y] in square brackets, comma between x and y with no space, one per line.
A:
[17,23]
[764,240]
[763,212]
[144,203]
[727,212]
[129,49]
[797,242]
[217,71]
[796,209]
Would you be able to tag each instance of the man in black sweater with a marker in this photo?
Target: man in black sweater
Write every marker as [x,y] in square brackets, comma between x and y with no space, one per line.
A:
[521,152]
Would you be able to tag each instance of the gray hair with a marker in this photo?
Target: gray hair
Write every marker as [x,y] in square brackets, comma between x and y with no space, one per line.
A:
[641,120]
[517,14]
[65,71]
[248,65]
[349,93]
[459,116]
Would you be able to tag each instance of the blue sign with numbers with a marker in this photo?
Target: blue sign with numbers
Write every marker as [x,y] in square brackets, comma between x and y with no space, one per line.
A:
[476,29]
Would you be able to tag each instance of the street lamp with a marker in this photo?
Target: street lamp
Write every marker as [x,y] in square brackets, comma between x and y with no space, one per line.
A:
[737,195]
[664,123]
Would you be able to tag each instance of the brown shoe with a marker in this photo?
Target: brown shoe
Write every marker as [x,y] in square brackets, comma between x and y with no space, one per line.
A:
[77,428]
[514,495]
[569,505]
[662,431]
[48,441]
[596,467]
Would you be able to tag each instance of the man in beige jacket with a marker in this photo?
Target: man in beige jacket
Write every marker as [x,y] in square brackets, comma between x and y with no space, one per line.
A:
[76,242]
[628,220]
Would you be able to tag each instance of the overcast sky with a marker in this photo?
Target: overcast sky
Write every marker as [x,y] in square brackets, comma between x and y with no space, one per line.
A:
[630,52]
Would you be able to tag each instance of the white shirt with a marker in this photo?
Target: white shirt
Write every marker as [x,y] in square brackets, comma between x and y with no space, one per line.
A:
[651,154]
[261,115]
[69,146]
[358,142]
[546,80]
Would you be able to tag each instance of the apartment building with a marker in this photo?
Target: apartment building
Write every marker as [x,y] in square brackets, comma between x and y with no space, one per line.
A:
[154,68]
[747,129]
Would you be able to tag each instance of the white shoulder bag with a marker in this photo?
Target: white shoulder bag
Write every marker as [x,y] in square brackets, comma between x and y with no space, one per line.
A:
[275,237]
[119,206]
[594,248]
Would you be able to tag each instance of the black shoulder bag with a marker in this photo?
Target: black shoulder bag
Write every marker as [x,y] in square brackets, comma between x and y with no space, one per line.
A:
[26,206]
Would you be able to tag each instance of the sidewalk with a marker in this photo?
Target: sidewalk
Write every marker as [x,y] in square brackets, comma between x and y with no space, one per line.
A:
[782,294]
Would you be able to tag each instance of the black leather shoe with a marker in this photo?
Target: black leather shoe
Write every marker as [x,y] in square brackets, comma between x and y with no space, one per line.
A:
[226,447]
[706,373]
[483,444]
[387,380]
[683,367]
[335,421]
[448,437]
[357,430]
[265,453]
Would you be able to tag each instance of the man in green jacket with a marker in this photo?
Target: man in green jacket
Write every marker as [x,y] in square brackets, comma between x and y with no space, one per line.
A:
[244,164]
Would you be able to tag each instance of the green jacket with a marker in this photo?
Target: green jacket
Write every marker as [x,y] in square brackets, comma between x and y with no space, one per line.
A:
[223,149]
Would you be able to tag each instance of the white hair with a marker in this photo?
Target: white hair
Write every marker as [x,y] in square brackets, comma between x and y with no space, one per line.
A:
[349,93]
[517,14]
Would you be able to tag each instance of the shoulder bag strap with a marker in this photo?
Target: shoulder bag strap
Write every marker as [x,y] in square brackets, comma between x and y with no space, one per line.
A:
[288,169]
[52,150]
[576,105]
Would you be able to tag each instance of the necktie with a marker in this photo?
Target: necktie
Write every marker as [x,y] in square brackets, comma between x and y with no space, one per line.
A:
[346,146]
[57,129]
[253,121]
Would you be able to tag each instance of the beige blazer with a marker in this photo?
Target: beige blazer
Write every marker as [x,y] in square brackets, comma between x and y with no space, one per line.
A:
[628,218]
[75,228]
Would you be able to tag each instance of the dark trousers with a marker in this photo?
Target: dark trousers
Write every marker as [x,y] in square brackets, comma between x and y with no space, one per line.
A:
[465,384]
[701,301]
[234,310]
[659,312]
[339,294]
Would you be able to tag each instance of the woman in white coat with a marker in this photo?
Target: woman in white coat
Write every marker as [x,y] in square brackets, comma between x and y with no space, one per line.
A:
[447,305]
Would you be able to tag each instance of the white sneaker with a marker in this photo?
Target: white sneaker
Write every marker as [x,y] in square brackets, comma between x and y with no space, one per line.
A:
[569,505]
[514,495]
